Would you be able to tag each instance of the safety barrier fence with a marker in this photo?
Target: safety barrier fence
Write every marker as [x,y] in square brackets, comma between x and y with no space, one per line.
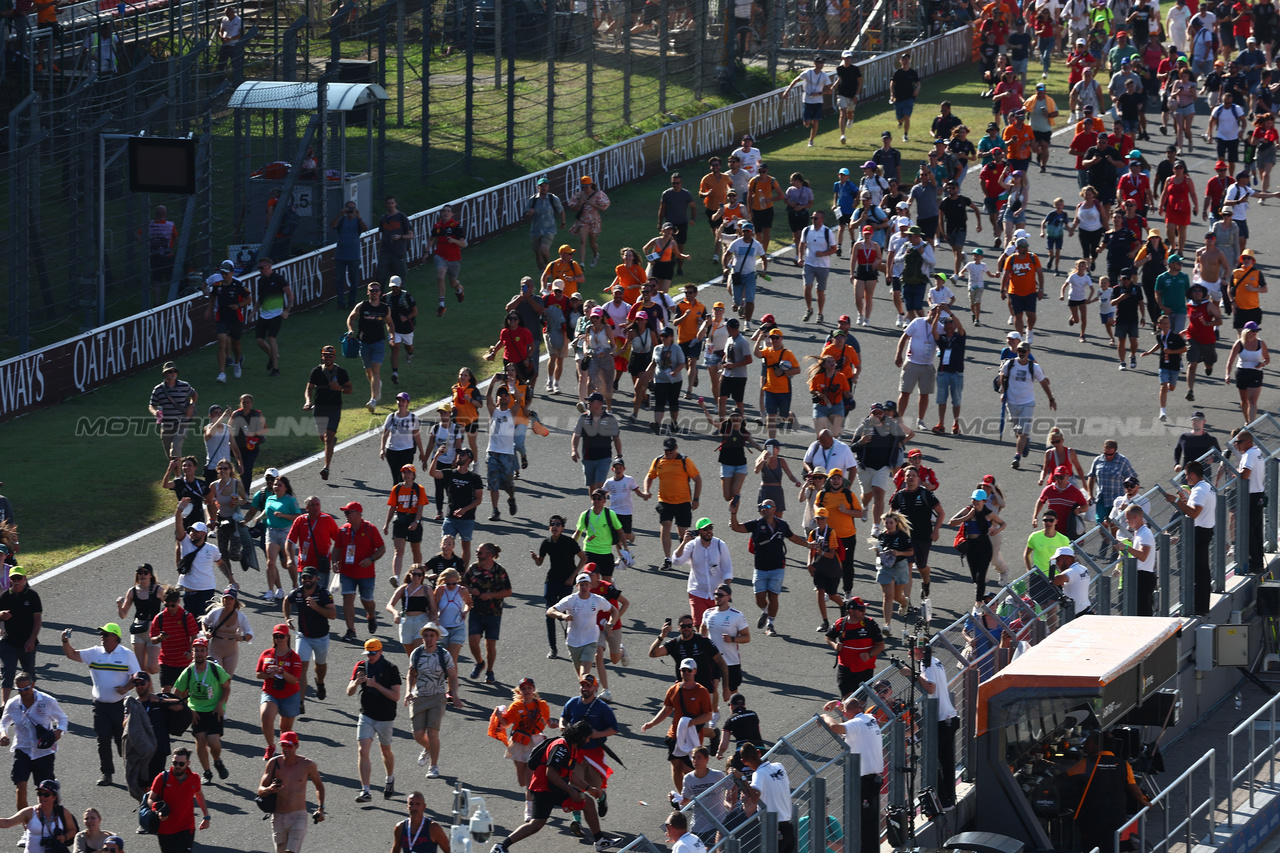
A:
[1183,816]
[1246,771]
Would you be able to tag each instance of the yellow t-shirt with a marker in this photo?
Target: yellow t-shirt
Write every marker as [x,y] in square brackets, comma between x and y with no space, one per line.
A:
[673,478]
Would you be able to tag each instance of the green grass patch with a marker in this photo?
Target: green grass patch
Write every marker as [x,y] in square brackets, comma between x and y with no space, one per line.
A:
[133,465]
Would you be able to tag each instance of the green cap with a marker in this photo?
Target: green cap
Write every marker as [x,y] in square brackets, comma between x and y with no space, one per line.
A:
[1175,259]
[17,572]
[111,628]
[703,523]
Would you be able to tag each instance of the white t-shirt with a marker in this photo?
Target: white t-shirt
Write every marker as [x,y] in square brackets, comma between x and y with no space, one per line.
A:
[688,843]
[1104,301]
[817,240]
[1121,503]
[922,348]
[862,736]
[941,295]
[401,429]
[583,628]
[1077,586]
[502,431]
[976,273]
[770,779]
[618,314]
[744,256]
[1235,192]
[110,670]
[1228,121]
[814,82]
[447,437]
[838,455]
[1252,459]
[201,575]
[936,674]
[749,161]
[1078,286]
[1143,538]
[231,27]
[619,493]
[730,622]
[1022,382]
[1203,495]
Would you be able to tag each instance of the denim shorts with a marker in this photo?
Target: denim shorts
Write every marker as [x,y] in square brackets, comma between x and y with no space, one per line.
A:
[289,706]
[899,573]
[821,411]
[595,470]
[902,108]
[1168,377]
[769,580]
[318,646]
[950,388]
[746,292]
[913,296]
[777,403]
[501,470]
[727,471]
[455,636]
[460,527]
[487,626]
[364,586]
[371,354]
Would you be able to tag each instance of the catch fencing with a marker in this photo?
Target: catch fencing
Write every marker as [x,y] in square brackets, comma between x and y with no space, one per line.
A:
[825,775]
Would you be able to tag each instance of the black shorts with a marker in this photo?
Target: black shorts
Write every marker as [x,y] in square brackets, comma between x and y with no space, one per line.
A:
[400,527]
[662,270]
[472,428]
[206,723]
[268,328]
[681,514]
[670,744]
[1022,304]
[327,418]
[625,521]
[848,681]
[169,674]
[830,584]
[1042,135]
[799,219]
[735,676]
[1248,377]
[639,363]
[1019,164]
[1106,193]
[1206,354]
[1244,315]
[545,803]
[1229,149]
[691,350]
[921,547]
[991,205]
[956,237]
[605,563]
[929,225]
[711,216]
[682,233]
[231,328]
[24,767]
[762,219]
[733,387]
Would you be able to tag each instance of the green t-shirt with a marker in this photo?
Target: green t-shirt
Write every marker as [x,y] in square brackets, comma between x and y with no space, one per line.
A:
[1042,548]
[204,692]
[596,526]
[1172,290]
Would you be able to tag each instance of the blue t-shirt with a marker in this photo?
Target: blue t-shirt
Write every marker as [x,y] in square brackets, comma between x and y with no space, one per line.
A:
[846,196]
[1055,223]
[348,248]
[598,715]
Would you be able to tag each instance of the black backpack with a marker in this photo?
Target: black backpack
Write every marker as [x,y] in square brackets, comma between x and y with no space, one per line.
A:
[538,756]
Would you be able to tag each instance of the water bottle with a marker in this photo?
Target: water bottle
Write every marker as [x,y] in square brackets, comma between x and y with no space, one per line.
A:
[1239,700]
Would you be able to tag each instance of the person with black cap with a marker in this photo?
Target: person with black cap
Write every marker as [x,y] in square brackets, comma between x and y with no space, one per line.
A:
[857,641]
[599,436]
[1127,299]
[1203,319]
[743,726]
[676,501]
[1194,443]
[48,821]
[769,535]
[110,666]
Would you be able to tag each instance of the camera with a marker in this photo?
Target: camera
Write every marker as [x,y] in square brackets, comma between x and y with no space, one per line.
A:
[896,664]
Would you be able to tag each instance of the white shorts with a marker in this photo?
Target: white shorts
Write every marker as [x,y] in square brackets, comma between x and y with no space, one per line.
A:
[1214,287]
[876,478]
[367,728]
[845,103]
[289,829]
[407,340]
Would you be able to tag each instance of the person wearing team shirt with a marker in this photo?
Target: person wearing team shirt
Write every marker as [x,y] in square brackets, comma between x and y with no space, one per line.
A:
[923,511]
[779,364]
[688,317]
[1203,319]
[1022,284]
[857,641]
[843,507]
[989,180]
[727,629]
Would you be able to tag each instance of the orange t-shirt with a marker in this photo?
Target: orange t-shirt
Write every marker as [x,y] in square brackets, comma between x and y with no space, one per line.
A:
[840,523]
[630,277]
[830,391]
[1018,141]
[407,500]
[850,356]
[773,381]
[465,410]
[673,478]
[761,191]
[686,703]
[565,270]
[695,313]
[715,186]
[1023,280]
[1246,299]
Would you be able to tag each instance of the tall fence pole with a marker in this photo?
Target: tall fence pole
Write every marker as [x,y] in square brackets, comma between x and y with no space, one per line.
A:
[511,94]
[469,128]
[591,81]
[662,60]
[1272,467]
[626,73]
[1163,554]
[551,76]
[1189,566]
[817,816]
[1218,548]
[400,64]
[425,166]
[852,798]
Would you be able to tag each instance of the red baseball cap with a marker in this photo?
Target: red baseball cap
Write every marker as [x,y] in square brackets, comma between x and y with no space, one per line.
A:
[1221,164]
[354,506]
[289,738]
[1062,471]
[844,318]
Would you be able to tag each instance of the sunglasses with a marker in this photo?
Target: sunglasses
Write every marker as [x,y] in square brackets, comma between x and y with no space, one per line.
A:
[44,793]
[556,524]
[179,764]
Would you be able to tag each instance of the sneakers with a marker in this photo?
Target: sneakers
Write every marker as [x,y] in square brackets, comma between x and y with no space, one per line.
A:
[842,140]
[1191,395]
[553,654]
[602,805]
[221,768]
[876,529]
[604,842]
[440,309]
[821,319]
[207,776]
[372,406]
[769,631]
[372,622]
[764,618]
[921,425]
[321,692]
[1133,363]
[666,564]
[955,427]
[495,515]
[458,294]
[606,694]
[364,796]
[105,781]
[595,257]
[394,581]
[1016,463]
[395,377]
[575,828]
[423,758]
[823,628]
[237,370]
[279,594]
[269,752]
[938,428]
[324,473]
[810,143]
[433,772]
[350,636]
[222,377]
[807,314]
[489,677]
[498,848]
[389,789]
[511,505]
[476,670]
[625,660]
[1122,365]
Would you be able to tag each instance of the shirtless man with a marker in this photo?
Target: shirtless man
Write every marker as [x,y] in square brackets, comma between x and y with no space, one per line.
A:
[286,776]
[1212,268]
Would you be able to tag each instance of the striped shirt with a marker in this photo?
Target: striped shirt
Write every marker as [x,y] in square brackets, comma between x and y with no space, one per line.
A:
[109,670]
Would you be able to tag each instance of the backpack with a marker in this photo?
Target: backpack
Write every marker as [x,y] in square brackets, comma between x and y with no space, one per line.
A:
[913,268]
[538,757]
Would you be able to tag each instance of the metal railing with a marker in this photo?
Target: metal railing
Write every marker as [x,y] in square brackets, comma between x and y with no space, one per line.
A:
[1194,811]
[1247,775]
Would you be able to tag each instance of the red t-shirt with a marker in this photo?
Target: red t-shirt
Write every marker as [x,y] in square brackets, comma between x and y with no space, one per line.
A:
[180,797]
[352,547]
[300,534]
[1215,189]
[1063,501]
[1136,188]
[181,629]
[989,178]
[447,228]
[1080,145]
[516,343]
[291,664]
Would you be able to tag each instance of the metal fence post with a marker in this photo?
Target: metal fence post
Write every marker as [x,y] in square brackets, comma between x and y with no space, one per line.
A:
[972,677]
[775,39]
[1163,553]
[511,93]
[769,831]
[852,797]
[929,758]
[1272,468]
[898,762]
[626,74]
[1244,527]
[1188,579]
[663,38]
[1102,603]
[817,815]
[425,165]
[591,84]
[700,33]
[551,76]
[1218,550]
[1129,594]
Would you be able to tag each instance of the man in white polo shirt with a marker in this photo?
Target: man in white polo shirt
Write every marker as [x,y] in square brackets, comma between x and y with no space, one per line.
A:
[1201,505]
[1253,470]
[861,732]
[1142,545]
[1073,578]
[111,666]
[917,348]
[771,788]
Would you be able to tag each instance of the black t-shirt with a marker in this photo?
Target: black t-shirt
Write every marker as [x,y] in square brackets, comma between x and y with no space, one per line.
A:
[1131,104]
[462,490]
[987,54]
[440,563]
[23,608]
[733,445]
[227,296]
[272,285]
[395,225]
[703,652]
[955,212]
[1174,341]
[326,397]
[562,561]
[312,624]
[898,540]
[1128,308]
[402,305]
[1103,173]
[675,205]
[371,322]
[197,490]
[373,704]
[943,125]
[953,363]
[889,160]
[918,507]
[770,543]
[1191,447]
[1119,244]
[1018,45]
[744,726]
[244,422]
[847,79]
[597,435]
[903,84]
